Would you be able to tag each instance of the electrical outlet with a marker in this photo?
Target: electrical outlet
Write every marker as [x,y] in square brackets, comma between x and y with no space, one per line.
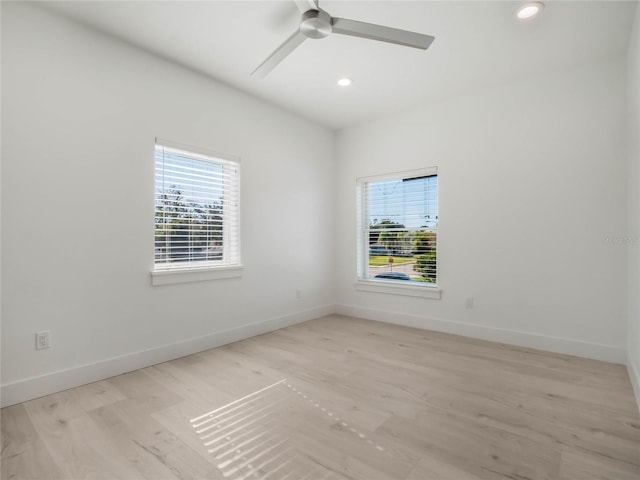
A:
[43,340]
[298,293]
[468,303]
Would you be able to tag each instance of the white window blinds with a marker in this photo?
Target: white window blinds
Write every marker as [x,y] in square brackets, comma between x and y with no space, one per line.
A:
[197,209]
[398,227]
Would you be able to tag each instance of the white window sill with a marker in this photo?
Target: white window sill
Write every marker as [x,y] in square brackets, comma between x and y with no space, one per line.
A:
[167,277]
[397,288]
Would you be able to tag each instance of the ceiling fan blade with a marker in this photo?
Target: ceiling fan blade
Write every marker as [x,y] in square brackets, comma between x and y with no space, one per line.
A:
[382,34]
[289,45]
[306,5]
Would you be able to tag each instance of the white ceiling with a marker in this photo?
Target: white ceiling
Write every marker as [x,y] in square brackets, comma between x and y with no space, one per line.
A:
[477,44]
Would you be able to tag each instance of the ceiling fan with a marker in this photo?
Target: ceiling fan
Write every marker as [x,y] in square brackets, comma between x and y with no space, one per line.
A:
[316,23]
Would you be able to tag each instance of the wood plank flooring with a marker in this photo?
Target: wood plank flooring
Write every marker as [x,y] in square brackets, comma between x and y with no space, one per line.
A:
[338,398]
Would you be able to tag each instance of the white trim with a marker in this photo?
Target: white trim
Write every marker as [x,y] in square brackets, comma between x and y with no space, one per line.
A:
[27,389]
[419,172]
[167,277]
[212,154]
[634,375]
[597,351]
[363,229]
[230,189]
[379,286]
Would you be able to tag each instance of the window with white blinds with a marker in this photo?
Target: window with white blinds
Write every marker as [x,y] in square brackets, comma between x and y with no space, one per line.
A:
[197,209]
[398,228]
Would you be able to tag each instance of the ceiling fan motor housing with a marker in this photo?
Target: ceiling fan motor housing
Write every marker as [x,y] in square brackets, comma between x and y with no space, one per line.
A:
[315,24]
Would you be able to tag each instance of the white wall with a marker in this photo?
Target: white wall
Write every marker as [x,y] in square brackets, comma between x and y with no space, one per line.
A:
[0,225]
[80,114]
[633,243]
[539,240]
[532,185]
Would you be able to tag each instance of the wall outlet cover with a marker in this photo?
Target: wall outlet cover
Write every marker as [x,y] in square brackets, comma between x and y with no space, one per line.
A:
[43,340]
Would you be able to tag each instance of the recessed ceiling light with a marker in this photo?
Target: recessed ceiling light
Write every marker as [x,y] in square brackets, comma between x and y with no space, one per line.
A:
[345,82]
[529,10]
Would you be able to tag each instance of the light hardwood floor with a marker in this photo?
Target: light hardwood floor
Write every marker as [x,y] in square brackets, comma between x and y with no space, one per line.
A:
[338,398]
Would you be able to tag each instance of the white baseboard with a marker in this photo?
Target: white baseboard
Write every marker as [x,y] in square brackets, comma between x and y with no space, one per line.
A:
[634,375]
[46,384]
[27,389]
[597,351]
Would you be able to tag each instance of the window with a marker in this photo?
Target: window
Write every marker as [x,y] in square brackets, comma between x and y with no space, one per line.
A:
[398,229]
[197,209]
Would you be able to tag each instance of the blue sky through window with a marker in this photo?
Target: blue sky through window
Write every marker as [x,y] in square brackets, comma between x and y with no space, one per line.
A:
[410,202]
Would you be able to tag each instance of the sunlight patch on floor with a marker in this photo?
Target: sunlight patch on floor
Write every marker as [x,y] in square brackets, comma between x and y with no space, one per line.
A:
[259,435]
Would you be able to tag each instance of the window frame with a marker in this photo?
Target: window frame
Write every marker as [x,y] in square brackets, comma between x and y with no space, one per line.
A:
[387,286]
[194,271]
